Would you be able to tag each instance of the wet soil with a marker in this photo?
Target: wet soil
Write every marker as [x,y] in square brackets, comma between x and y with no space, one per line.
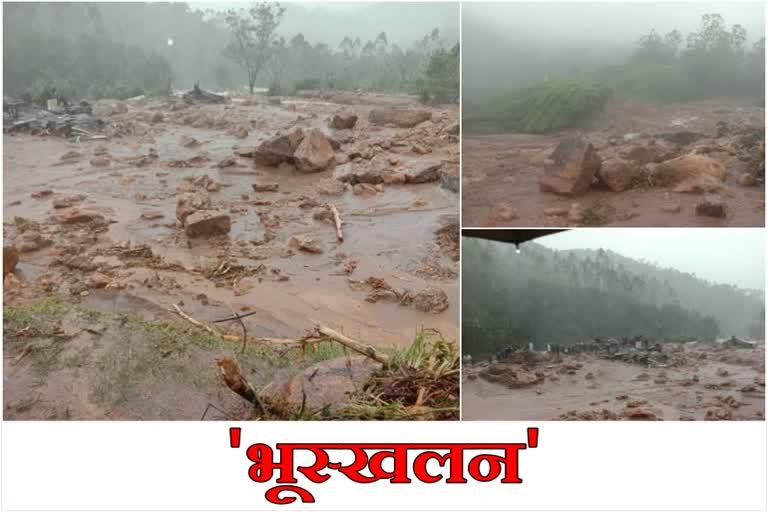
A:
[713,385]
[497,170]
[146,262]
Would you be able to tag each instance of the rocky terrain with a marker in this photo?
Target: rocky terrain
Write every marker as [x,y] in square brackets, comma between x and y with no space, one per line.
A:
[339,210]
[693,381]
[688,164]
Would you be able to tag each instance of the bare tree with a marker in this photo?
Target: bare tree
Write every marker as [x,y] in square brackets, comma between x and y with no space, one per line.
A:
[253,30]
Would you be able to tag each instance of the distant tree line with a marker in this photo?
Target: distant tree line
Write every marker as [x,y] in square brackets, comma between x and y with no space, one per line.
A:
[546,296]
[126,49]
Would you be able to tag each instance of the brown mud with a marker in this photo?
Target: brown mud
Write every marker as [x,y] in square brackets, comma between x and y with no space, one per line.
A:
[97,221]
[500,175]
[710,384]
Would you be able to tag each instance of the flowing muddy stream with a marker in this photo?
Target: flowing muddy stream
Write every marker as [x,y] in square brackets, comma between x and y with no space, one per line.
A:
[140,251]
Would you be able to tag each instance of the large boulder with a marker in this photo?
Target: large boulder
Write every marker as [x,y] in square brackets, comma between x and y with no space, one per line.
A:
[616,174]
[575,164]
[343,121]
[691,173]
[314,154]
[278,149]
[400,117]
[423,171]
[203,224]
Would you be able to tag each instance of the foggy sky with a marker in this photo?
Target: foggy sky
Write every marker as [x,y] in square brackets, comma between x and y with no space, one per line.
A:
[731,256]
[611,22]
[330,22]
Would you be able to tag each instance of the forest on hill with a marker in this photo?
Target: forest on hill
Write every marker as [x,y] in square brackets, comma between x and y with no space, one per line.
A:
[541,295]
[123,49]
[715,59]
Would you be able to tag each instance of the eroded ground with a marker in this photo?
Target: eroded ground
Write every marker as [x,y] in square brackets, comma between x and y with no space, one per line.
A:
[501,173]
[711,384]
[96,222]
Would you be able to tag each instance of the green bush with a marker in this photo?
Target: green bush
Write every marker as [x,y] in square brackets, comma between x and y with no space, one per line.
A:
[308,84]
[542,108]
[441,81]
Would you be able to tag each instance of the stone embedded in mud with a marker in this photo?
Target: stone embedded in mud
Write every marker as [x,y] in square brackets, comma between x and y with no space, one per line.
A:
[343,121]
[616,174]
[576,213]
[314,154]
[265,187]
[682,138]
[157,117]
[688,167]
[671,208]
[97,280]
[718,414]
[575,164]
[10,259]
[711,209]
[503,213]
[67,201]
[642,154]
[278,149]
[100,161]
[542,158]
[76,216]
[41,194]
[307,244]
[556,211]
[640,413]
[71,155]
[32,241]
[422,171]
[450,182]
[227,162]
[152,214]
[747,180]
[400,117]
[364,189]
[190,203]
[188,142]
[452,129]
[202,224]
[330,187]
[431,300]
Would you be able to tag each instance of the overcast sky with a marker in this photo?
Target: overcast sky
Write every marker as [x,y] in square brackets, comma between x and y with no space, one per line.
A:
[733,255]
[611,22]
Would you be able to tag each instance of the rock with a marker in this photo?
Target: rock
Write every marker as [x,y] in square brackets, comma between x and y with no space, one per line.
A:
[682,138]
[689,167]
[718,414]
[97,280]
[202,224]
[10,259]
[67,201]
[576,213]
[100,161]
[76,216]
[190,203]
[711,209]
[364,189]
[265,187]
[188,142]
[671,208]
[306,244]
[344,121]
[503,212]
[71,155]
[157,117]
[431,300]
[543,158]
[422,171]
[240,132]
[556,212]
[453,129]
[227,162]
[642,154]
[314,154]
[616,174]
[575,164]
[330,187]
[450,182]
[341,158]
[400,117]
[32,241]
[747,180]
[639,413]
[152,214]
[40,194]
[278,149]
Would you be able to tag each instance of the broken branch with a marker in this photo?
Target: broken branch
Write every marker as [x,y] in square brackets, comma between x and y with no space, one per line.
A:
[361,348]
[337,221]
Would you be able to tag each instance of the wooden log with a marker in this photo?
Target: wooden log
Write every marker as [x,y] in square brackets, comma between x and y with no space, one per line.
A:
[337,221]
[355,345]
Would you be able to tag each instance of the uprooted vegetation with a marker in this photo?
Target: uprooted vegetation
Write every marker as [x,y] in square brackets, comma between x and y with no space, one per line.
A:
[79,363]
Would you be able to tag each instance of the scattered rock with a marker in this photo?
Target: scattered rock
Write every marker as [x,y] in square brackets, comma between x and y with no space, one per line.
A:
[188,142]
[202,224]
[76,216]
[314,154]
[32,241]
[10,259]
[575,164]
[265,187]
[67,201]
[431,300]
[711,209]
[152,214]
[682,138]
[41,194]
[576,213]
[190,203]
[278,149]
[344,121]
[306,244]
[100,161]
[503,212]
[400,117]
[616,174]
[686,168]
[227,162]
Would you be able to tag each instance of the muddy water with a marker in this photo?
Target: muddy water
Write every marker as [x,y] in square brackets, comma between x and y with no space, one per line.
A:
[388,235]
[497,170]
[611,385]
